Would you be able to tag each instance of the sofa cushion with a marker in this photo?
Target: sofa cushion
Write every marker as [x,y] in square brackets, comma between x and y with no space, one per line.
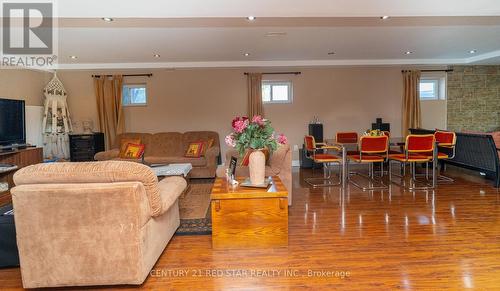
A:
[166,144]
[196,162]
[94,172]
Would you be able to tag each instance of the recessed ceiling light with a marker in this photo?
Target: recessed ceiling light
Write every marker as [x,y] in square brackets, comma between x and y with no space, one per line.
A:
[408,53]
[156,55]
[472,51]
[331,53]
[107,19]
[73,57]
[384,17]
[246,54]
[251,18]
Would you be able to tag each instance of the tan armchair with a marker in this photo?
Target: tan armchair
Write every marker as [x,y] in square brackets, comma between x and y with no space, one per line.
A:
[279,164]
[96,223]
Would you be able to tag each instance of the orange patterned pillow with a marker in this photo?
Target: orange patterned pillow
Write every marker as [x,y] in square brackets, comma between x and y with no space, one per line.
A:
[206,145]
[124,143]
[194,150]
[134,151]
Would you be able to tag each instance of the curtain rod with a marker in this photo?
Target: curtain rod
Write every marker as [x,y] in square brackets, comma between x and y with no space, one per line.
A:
[130,75]
[279,73]
[447,70]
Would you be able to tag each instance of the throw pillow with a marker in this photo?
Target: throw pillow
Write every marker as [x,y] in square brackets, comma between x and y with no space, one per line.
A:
[124,143]
[206,145]
[134,151]
[194,150]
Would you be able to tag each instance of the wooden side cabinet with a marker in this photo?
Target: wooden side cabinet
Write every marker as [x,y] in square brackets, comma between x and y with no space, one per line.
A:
[249,217]
[21,158]
[83,147]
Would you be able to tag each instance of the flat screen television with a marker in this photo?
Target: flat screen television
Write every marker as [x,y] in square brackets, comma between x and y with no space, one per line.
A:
[12,122]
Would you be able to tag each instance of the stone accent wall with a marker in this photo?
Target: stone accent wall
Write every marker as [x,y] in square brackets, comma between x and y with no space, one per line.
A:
[474,98]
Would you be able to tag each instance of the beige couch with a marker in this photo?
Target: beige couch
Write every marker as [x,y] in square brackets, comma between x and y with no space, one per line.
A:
[279,164]
[170,147]
[97,223]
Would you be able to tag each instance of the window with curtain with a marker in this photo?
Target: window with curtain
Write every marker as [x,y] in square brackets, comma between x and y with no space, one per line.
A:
[277,91]
[134,95]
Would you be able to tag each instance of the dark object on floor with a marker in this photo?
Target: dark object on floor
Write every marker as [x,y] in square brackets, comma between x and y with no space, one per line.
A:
[83,147]
[475,152]
[9,256]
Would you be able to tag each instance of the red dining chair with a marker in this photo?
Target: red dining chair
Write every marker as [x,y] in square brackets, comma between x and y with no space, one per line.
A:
[418,149]
[372,149]
[319,155]
[346,137]
[446,141]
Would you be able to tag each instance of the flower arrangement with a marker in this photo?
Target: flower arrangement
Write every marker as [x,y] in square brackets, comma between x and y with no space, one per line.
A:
[375,132]
[256,133]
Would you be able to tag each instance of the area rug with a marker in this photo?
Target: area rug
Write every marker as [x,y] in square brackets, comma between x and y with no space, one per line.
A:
[194,208]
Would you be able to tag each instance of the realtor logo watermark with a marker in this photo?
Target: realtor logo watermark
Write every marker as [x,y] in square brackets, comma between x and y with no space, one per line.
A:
[28,34]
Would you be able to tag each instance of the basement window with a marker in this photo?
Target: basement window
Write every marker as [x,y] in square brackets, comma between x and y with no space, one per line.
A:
[432,87]
[134,95]
[277,91]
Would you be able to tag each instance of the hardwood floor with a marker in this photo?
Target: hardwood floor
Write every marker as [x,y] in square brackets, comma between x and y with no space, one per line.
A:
[447,239]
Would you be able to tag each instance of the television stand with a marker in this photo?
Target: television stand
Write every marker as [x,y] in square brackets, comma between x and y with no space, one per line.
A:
[20,158]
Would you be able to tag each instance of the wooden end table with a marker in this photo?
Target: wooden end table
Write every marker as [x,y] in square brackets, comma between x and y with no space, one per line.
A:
[245,217]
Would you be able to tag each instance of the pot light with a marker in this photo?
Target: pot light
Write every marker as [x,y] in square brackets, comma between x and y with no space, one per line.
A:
[107,19]
[472,51]
[408,52]
[385,17]
[156,55]
[246,54]
[331,53]
[251,18]
[73,57]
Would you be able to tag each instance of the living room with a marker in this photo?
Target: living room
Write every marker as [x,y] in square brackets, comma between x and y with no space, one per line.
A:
[150,105]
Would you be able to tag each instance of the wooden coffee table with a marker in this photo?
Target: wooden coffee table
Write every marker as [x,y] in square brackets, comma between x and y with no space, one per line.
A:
[249,217]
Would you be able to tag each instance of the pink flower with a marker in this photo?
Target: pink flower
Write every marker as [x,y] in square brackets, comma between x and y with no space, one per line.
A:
[236,119]
[240,125]
[258,120]
[230,140]
[282,139]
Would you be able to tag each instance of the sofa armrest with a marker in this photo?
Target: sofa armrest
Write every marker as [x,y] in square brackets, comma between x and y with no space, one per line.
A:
[170,189]
[92,219]
[211,155]
[107,155]
[231,153]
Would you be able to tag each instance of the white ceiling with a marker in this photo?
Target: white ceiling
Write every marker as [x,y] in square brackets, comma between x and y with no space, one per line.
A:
[215,33]
[275,8]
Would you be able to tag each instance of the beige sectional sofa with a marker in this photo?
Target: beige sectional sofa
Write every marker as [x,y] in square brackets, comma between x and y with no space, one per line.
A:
[97,223]
[170,147]
[279,164]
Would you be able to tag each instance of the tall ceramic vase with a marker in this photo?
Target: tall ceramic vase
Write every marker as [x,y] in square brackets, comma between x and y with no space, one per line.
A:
[257,167]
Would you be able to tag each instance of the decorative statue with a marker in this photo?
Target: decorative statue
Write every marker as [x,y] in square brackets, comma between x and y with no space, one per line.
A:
[56,122]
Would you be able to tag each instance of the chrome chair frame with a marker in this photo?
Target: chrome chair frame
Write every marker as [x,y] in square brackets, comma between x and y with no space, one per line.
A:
[327,172]
[413,175]
[371,172]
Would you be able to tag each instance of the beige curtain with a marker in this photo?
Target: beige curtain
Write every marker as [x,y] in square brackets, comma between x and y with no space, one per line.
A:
[108,92]
[255,94]
[412,117]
